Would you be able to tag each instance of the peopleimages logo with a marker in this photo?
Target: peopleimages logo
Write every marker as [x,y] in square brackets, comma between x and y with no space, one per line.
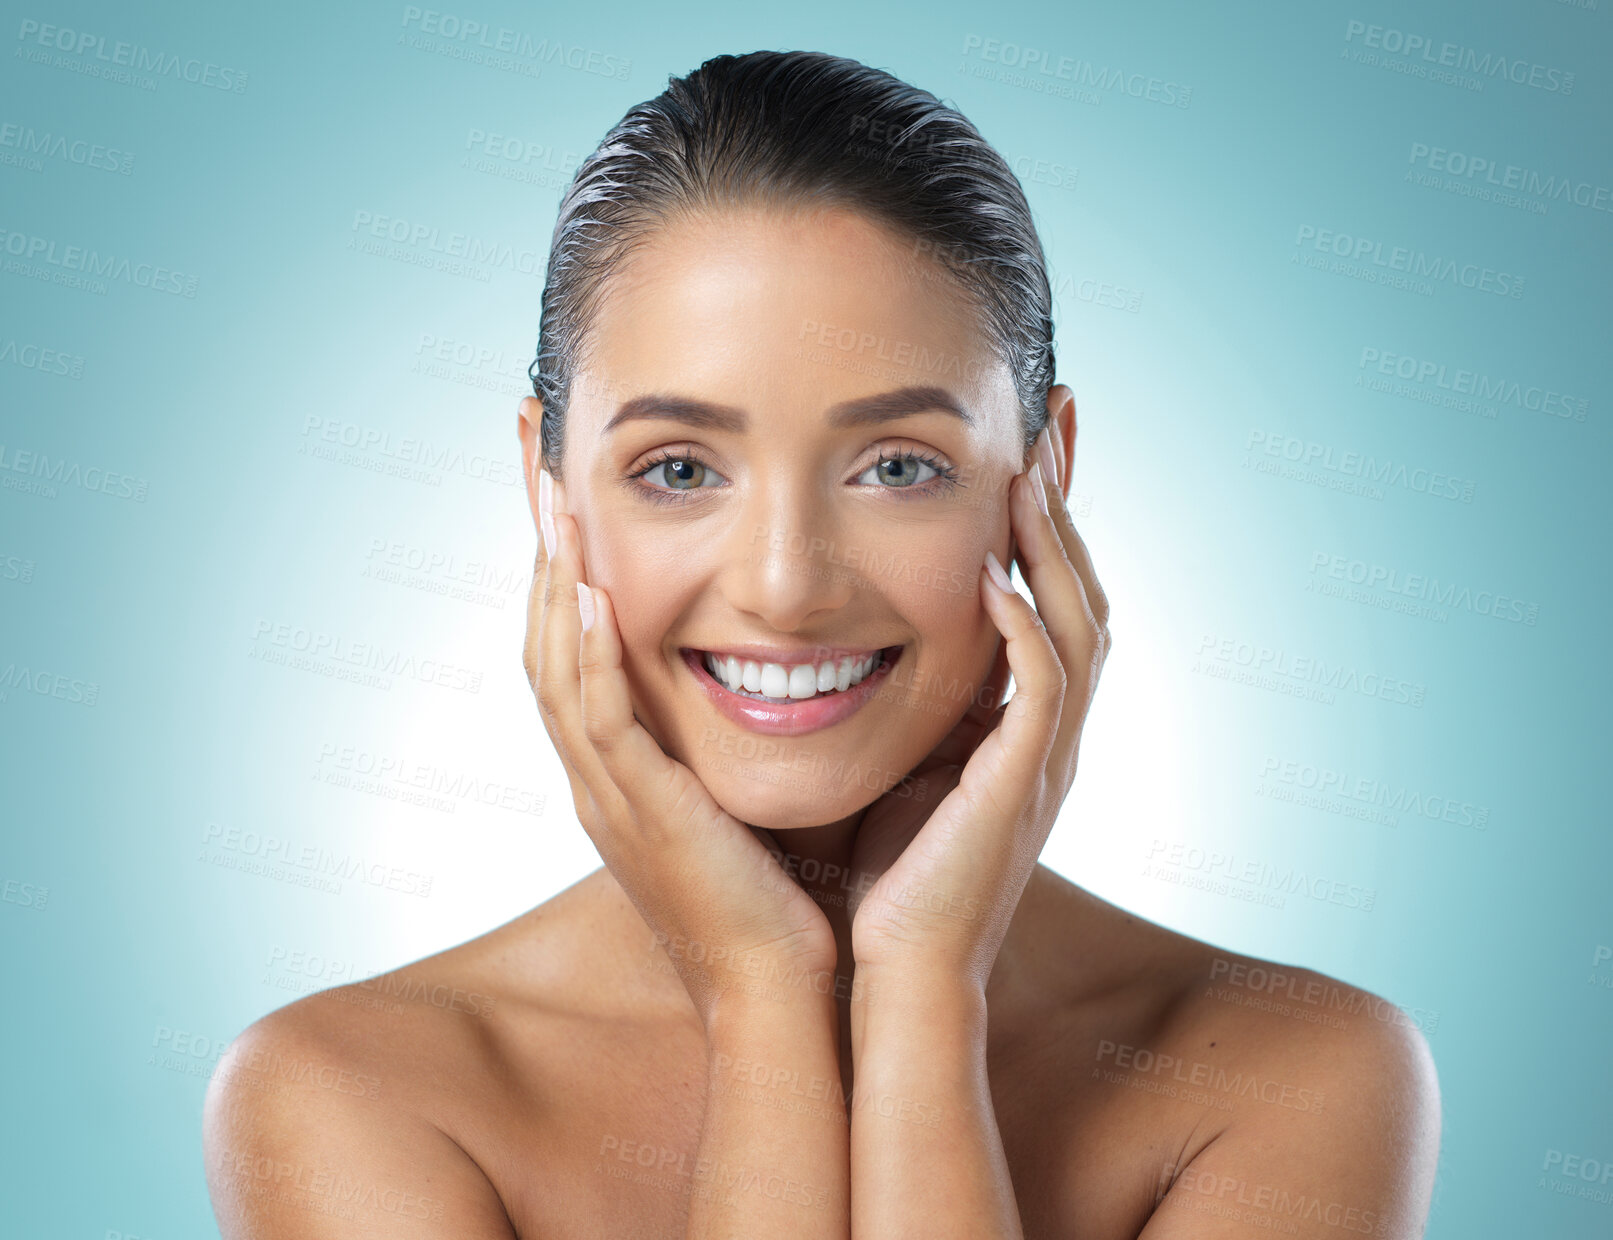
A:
[1427,53]
[1510,176]
[1085,74]
[1414,263]
[1463,382]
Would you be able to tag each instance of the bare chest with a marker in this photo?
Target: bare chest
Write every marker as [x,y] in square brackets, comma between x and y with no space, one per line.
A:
[600,1136]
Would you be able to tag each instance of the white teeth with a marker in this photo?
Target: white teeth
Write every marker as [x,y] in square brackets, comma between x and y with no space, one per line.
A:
[794,682]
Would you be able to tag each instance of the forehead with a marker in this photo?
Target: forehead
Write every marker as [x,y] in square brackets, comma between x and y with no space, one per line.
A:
[786,309]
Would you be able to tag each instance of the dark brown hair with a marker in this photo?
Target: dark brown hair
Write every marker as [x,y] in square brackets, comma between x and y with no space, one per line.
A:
[800,128]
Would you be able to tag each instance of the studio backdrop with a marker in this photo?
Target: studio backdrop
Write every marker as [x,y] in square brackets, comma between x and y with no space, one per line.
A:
[1331,289]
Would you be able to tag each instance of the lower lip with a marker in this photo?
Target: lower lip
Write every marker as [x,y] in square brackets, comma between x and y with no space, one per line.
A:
[789,718]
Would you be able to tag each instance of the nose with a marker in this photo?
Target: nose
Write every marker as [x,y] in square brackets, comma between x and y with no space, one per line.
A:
[784,558]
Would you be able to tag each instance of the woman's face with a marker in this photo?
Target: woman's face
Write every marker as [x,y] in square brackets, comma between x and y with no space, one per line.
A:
[766,363]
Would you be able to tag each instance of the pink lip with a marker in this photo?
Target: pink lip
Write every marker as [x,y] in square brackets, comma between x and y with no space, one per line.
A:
[789,718]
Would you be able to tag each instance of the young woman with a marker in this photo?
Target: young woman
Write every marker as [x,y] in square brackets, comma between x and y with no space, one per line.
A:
[794,413]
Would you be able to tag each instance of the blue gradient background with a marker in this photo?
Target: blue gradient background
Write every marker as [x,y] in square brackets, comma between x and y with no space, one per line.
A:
[148,954]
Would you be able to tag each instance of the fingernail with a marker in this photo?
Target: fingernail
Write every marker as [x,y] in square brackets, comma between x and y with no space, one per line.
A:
[995,568]
[1038,489]
[546,512]
[1044,454]
[585,606]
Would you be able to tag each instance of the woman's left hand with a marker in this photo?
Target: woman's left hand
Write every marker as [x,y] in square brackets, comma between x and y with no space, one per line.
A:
[951,877]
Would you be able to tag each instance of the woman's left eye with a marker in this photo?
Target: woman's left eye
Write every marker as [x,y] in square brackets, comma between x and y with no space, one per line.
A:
[903,470]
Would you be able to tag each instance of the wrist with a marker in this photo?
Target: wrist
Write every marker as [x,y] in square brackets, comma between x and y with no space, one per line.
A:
[933,1010]
[738,1017]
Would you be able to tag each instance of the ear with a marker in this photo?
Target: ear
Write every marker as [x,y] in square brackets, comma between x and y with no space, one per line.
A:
[529,417]
[1061,423]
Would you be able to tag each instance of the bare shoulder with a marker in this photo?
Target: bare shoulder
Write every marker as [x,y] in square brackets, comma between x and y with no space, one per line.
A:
[318,1120]
[1314,1103]
[351,1112]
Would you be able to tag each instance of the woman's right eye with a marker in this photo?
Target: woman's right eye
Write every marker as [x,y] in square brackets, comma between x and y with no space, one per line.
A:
[679,473]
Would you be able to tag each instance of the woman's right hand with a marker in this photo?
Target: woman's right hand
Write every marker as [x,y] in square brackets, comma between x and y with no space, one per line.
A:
[701,879]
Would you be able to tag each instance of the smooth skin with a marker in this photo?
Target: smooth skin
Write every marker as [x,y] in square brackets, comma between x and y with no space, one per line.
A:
[869,1019]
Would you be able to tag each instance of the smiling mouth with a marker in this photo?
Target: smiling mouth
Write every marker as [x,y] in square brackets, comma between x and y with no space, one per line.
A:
[784,683]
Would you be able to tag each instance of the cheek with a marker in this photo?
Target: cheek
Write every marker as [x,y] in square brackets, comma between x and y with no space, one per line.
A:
[935,576]
[646,589]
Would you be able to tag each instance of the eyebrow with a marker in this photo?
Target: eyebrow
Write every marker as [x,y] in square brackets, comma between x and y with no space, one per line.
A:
[864,411]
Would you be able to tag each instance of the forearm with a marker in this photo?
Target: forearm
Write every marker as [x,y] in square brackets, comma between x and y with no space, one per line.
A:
[926,1157]
[773,1161]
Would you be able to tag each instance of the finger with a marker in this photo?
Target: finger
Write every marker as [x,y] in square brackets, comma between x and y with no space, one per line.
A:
[660,794]
[1075,550]
[531,648]
[1016,754]
[559,686]
[983,714]
[1062,603]
[532,659]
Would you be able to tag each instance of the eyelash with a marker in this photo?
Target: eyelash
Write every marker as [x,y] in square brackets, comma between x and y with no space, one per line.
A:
[945,481]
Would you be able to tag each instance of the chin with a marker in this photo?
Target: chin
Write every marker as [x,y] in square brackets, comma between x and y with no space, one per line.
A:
[776,797]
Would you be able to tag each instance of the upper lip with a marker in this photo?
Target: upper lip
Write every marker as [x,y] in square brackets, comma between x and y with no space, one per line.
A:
[796,656]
